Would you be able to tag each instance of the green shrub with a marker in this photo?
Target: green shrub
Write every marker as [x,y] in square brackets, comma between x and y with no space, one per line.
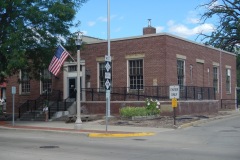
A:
[132,111]
[151,108]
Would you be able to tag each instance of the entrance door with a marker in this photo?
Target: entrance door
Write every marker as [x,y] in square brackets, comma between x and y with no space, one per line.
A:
[72,88]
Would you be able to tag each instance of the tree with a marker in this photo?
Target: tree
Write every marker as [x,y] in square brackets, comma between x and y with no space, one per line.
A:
[30,31]
[227,33]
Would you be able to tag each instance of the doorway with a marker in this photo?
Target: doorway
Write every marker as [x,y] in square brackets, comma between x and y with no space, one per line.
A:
[72,91]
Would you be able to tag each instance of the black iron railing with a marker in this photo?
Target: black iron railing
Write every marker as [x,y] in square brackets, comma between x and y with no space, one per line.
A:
[37,104]
[154,92]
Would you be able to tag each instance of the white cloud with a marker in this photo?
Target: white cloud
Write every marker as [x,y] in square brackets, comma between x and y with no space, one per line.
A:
[193,20]
[121,18]
[91,23]
[192,17]
[213,5]
[184,31]
[170,23]
[117,29]
[84,32]
[159,29]
[105,19]
[102,19]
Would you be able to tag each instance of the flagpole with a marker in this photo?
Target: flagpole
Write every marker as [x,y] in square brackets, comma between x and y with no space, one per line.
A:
[108,91]
[69,53]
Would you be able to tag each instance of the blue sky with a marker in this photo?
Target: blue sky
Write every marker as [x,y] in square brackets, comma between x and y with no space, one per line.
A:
[128,17]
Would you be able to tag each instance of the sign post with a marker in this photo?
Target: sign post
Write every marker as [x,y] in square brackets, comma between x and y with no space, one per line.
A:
[174,95]
[108,68]
[13,105]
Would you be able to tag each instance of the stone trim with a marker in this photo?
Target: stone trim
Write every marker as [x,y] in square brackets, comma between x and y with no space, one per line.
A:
[200,60]
[215,64]
[134,56]
[179,56]
[228,67]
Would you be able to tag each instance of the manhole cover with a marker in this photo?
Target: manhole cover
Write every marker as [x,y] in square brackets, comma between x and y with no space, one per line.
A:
[236,127]
[139,139]
[231,130]
[49,147]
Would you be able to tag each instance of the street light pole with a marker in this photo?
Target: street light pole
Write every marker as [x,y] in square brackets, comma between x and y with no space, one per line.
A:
[78,41]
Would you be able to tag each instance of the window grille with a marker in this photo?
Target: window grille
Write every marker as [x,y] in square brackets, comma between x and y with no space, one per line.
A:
[136,74]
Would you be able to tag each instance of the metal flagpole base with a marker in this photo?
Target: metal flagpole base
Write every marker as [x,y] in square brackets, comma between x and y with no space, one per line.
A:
[78,124]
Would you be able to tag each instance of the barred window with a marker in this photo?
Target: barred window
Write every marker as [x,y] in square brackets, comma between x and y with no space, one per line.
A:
[136,74]
[101,75]
[25,82]
[191,73]
[215,78]
[46,81]
[180,73]
[72,68]
[228,80]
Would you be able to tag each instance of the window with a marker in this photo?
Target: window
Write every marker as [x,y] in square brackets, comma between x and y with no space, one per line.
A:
[46,81]
[101,75]
[191,74]
[228,80]
[180,73]
[72,68]
[208,75]
[25,82]
[136,74]
[215,78]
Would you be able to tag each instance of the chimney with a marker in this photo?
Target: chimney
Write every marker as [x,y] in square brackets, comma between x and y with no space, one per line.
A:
[149,29]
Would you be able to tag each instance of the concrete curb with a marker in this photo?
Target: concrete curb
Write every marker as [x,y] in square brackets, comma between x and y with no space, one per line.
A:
[89,133]
[119,135]
[207,120]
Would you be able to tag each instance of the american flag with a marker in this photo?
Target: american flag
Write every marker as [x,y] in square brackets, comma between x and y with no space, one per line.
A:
[58,59]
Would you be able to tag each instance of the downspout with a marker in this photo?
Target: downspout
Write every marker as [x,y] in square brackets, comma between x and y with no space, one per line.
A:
[221,72]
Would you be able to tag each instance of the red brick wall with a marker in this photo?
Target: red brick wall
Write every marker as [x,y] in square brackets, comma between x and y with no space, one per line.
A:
[184,107]
[160,62]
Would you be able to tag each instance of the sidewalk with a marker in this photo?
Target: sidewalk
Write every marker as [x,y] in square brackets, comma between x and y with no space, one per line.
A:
[94,129]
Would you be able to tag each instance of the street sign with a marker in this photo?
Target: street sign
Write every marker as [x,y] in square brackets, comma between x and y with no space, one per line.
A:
[108,69]
[174,92]
[13,90]
[174,102]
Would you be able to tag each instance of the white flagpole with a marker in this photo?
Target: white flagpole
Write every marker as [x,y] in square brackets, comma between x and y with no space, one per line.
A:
[109,52]
[108,91]
[68,54]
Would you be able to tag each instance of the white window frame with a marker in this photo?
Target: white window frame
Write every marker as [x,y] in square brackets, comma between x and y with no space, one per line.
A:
[98,76]
[217,67]
[41,82]
[128,72]
[228,83]
[20,84]
[184,74]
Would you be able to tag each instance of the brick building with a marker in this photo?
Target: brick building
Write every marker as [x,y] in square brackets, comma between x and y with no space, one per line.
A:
[148,60]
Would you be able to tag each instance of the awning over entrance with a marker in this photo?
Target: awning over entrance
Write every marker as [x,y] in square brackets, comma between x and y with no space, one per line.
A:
[3,85]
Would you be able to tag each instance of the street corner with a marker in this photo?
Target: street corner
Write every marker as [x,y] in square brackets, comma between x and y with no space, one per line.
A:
[120,135]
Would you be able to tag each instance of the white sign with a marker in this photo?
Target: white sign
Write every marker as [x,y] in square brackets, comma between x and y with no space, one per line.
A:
[108,66]
[107,75]
[107,84]
[108,58]
[174,92]
[13,90]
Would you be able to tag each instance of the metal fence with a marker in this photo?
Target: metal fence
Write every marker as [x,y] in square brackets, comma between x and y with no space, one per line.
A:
[37,104]
[154,92]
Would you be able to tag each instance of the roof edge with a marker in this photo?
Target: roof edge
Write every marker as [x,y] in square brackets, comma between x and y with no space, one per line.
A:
[164,34]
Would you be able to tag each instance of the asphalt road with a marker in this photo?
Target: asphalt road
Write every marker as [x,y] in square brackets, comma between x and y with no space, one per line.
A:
[215,140]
